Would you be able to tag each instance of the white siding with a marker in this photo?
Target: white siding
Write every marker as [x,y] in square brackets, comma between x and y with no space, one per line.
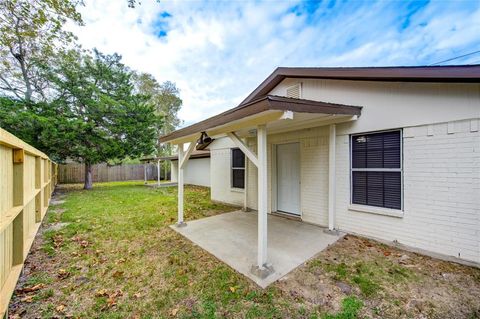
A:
[221,157]
[389,105]
[197,172]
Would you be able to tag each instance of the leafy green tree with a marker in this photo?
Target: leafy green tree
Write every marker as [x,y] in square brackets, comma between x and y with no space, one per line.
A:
[165,97]
[30,122]
[99,117]
[31,32]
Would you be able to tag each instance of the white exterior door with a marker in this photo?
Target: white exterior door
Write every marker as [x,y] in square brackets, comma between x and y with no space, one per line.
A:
[288,178]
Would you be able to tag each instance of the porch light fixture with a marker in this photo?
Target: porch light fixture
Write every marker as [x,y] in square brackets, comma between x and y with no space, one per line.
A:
[204,141]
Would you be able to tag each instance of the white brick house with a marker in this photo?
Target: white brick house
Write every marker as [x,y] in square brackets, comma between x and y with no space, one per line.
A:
[388,153]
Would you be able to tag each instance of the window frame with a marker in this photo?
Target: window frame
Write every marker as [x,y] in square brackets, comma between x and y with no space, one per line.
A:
[232,168]
[352,169]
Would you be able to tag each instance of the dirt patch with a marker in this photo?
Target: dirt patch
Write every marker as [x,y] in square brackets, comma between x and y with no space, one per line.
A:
[392,283]
[56,226]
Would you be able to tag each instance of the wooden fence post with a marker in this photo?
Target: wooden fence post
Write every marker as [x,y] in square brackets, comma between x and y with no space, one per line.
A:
[18,200]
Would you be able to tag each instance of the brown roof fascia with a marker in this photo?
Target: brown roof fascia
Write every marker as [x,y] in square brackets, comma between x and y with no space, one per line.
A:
[309,106]
[220,119]
[262,104]
[453,74]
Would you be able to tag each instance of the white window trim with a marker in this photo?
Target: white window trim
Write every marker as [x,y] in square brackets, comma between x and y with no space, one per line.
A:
[376,209]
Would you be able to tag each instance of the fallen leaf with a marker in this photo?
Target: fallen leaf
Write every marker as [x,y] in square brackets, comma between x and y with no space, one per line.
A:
[27,299]
[84,243]
[101,293]
[119,261]
[137,295]
[174,311]
[62,274]
[30,289]
[117,274]
[111,302]
[232,289]
[57,240]
[60,309]
[117,293]
[387,253]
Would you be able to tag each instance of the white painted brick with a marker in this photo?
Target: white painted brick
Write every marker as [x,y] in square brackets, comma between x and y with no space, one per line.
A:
[441,187]
[441,192]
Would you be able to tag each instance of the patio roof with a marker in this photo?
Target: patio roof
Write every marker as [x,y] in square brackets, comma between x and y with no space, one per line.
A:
[195,154]
[260,111]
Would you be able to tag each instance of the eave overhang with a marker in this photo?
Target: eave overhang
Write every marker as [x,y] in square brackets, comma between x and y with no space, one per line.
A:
[435,74]
[260,111]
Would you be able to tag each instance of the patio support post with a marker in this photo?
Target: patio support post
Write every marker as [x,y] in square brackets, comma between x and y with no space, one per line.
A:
[331,178]
[145,172]
[158,172]
[180,185]
[182,162]
[262,269]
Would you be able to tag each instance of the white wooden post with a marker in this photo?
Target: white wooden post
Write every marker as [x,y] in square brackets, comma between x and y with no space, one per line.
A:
[158,172]
[181,155]
[245,189]
[262,196]
[145,172]
[331,178]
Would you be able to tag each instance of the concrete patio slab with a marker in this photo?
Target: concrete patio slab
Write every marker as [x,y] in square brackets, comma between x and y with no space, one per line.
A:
[162,184]
[232,238]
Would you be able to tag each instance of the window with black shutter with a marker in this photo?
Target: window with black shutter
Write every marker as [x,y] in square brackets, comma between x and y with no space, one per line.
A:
[238,168]
[376,169]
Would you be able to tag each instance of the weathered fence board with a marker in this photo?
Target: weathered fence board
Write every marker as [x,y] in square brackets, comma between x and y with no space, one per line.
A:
[27,180]
[75,173]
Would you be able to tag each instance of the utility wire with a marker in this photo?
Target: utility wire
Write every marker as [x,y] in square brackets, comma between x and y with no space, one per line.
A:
[457,57]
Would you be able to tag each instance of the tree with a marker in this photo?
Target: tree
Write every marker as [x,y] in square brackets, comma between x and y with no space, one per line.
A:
[99,117]
[29,122]
[167,102]
[31,32]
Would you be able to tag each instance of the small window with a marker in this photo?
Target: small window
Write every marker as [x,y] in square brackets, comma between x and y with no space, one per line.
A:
[376,169]
[238,168]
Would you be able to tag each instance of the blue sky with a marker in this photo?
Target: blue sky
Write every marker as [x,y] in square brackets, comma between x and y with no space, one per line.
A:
[217,52]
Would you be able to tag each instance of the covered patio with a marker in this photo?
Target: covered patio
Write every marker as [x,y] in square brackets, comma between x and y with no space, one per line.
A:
[232,238]
[250,236]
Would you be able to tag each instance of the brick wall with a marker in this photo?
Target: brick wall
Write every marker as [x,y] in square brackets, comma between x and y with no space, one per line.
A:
[441,192]
[220,159]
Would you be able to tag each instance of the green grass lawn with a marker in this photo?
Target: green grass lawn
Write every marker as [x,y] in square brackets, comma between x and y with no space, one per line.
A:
[117,258]
[109,253]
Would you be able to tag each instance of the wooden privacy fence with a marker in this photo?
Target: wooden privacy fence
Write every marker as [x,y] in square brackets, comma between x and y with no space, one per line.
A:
[75,173]
[27,180]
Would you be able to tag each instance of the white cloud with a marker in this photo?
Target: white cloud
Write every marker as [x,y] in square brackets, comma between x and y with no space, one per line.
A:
[218,52]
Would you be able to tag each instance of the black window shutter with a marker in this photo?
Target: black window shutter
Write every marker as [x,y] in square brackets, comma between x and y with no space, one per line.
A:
[238,168]
[377,187]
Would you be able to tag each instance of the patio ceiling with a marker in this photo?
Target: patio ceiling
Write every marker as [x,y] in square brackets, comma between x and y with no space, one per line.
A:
[265,110]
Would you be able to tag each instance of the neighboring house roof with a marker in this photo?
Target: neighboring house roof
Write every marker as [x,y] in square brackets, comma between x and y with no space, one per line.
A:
[195,154]
[455,73]
[259,100]
[267,103]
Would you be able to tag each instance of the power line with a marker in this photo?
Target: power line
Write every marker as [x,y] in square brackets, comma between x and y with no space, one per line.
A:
[457,57]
